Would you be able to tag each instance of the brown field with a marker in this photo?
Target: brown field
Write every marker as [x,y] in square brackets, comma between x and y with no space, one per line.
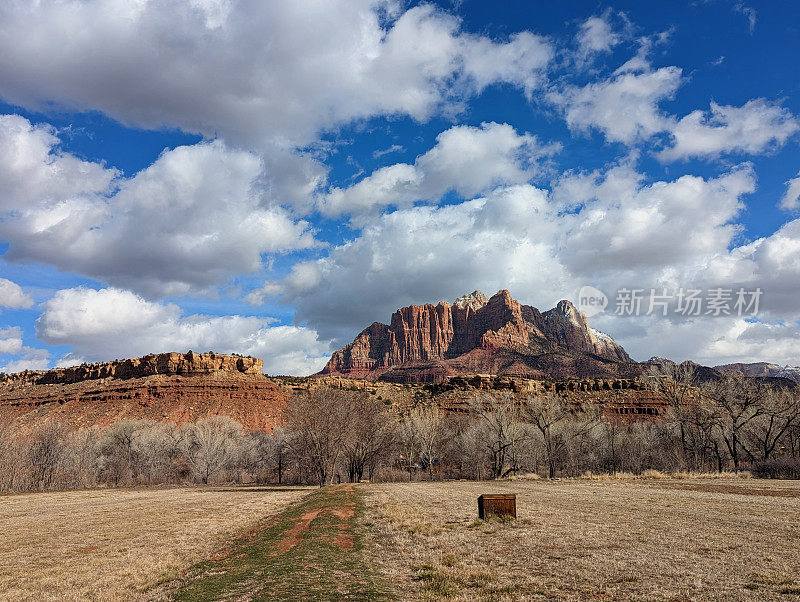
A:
[659,539]
[114,544]
[612,539]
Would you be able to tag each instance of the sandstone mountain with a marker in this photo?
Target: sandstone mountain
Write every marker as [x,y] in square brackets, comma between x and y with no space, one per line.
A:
[480,335]
[170,387]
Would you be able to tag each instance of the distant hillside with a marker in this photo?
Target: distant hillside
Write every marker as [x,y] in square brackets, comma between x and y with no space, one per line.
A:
[764,370]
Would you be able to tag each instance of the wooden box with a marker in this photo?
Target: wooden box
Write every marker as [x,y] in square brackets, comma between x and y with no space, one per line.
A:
[497,504]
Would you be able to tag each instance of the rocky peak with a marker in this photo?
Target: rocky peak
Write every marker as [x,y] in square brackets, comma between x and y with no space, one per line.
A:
[567,311]
[474,300]
[473,333]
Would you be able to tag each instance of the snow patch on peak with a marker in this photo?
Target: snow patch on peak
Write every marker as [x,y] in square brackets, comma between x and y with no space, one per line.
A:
[600,335]
[475,300]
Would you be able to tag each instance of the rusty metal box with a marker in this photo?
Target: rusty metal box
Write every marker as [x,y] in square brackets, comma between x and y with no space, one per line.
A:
[497,504]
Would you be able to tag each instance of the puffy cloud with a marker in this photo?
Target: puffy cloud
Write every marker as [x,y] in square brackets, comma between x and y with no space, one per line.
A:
[466,159]
[21,357]
[426,254]
[756,126]
[596,35]
[623,107]
[111,323]
[744,341]
[521,61]
[253,72]
[12,295]
[33,171]
[791,198]
[267,76]
[608,229]
[31,359]
[771,263]
[706,340]
[625,225]
[187,222]
[10,340]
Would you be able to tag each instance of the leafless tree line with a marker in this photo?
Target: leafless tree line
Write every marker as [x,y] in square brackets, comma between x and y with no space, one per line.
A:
[130,452]
[729,421]
[332,435]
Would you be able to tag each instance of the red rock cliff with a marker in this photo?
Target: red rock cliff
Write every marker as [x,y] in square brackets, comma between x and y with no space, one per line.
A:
[172,387]
[471,332]
[185,364]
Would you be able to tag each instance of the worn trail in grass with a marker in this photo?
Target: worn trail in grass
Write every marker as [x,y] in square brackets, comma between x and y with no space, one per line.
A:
[313,550]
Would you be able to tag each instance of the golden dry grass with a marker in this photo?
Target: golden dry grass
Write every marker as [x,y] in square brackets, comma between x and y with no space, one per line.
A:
[621,539]
[114,544]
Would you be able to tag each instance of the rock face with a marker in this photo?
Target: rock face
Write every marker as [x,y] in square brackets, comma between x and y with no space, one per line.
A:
[185,364]
[171,387]
[623,398]
[477,334]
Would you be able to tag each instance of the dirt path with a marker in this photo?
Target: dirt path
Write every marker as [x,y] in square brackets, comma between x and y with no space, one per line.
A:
[312,551]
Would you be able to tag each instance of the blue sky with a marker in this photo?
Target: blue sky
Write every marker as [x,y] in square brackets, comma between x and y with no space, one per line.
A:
[270,178]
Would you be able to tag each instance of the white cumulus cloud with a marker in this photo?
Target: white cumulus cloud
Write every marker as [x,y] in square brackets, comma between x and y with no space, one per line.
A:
[756,126]
[597,35]
[623,107]
[12,296]
[608,229]
[466,159]
[253,72]
[111,323]
[189,221]
[10,340]
[626,107]
[791,198]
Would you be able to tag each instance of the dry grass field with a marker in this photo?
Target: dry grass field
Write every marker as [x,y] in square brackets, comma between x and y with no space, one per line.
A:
[114,544]
[613,539]
[659,539]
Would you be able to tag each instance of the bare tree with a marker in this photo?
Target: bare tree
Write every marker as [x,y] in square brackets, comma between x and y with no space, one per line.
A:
[212,446]
[701,420]
[80,458]
[547,412]
[678,383]
[780,413]
[119,462]
[467,451]
[155,447]
[427,427]
[14,465]
[372,435]
[266,453]
[504,430]
[318,422]
[280,449]
[409,444]
[45,452]
[740,401]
